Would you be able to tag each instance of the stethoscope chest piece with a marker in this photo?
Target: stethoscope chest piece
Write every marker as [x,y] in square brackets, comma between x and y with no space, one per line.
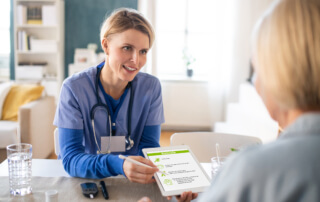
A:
[129,143]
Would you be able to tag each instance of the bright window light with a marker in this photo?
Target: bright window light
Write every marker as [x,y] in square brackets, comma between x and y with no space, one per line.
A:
[4,27]
[4,39]
[188,28]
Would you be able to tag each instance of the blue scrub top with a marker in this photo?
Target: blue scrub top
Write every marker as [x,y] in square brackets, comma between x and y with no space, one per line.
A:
[78,96]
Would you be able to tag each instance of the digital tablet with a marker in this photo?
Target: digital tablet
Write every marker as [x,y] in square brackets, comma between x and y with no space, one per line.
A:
[180,170]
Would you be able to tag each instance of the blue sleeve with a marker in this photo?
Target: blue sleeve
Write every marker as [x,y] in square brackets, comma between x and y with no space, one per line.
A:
[150,138]
[79,164]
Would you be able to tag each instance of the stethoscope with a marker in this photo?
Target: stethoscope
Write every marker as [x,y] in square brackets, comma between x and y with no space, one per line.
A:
[129,141]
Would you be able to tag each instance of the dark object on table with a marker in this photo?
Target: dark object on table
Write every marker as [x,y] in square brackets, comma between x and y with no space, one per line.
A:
[104,190]
[89,189]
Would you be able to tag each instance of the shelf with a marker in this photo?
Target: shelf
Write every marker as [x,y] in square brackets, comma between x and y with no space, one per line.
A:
[43,79]
[51,1]
[35,52]
[30,26]
[50,79]
[46,42]
[182,78]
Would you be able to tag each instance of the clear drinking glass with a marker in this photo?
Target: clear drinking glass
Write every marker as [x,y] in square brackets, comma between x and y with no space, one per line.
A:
[216,164]
[19,165]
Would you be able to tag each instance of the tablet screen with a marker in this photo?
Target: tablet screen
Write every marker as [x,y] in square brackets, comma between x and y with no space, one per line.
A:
[183,171]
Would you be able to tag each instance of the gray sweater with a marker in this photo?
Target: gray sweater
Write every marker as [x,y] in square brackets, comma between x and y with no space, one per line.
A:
[285,170]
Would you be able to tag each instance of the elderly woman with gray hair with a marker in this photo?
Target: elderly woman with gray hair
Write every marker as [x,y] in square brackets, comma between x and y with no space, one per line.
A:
[286,48]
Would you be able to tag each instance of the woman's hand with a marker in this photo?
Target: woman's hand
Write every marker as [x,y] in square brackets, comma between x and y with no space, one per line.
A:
[137,173]
[185,197]
[145,199]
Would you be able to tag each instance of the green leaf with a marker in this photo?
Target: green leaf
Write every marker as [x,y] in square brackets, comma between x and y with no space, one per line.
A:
[233,149]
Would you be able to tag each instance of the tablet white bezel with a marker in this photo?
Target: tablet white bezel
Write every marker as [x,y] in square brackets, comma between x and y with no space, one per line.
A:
[180,191]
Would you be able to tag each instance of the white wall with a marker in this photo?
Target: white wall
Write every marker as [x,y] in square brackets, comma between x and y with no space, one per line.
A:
[186,105]
[247,13]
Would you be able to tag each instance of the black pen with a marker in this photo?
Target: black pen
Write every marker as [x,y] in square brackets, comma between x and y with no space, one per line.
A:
[104,190]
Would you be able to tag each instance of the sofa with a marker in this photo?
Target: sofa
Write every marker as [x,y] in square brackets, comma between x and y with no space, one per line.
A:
[34,125]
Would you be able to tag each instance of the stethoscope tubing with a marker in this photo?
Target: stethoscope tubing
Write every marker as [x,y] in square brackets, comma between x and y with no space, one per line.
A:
[128,139]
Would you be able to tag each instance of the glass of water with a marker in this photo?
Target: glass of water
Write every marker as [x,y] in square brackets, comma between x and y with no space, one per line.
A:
[216,164]
[19,165]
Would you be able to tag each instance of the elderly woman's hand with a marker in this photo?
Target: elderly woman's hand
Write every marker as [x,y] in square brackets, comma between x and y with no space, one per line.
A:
[145,199]
[185,197]
[138,173]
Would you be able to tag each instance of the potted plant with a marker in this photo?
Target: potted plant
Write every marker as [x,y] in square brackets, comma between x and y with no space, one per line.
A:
[188,60]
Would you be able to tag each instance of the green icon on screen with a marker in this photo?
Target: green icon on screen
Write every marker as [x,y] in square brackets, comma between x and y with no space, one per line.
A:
[157,160]
[160,166]
[167,182]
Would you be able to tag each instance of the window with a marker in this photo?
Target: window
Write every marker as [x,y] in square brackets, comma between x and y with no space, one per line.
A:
[4,39]
[192,29]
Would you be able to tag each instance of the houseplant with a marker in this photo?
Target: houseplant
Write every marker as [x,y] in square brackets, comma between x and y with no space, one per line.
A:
[188,60]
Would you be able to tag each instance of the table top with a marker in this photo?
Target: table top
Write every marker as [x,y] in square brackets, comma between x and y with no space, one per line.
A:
[49,174]
[69,189]
[40,168]
[54,168]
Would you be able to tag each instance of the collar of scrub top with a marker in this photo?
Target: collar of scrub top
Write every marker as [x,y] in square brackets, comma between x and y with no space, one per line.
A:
[113,111]
[129,141]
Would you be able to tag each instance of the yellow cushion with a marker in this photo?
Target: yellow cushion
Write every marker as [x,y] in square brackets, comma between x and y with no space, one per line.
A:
[18,96]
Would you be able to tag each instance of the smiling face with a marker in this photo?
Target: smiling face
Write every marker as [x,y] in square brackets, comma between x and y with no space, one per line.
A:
[126,54]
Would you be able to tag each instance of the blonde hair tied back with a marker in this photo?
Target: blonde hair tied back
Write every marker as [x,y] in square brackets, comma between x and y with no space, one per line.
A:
[123,19]
[286,45]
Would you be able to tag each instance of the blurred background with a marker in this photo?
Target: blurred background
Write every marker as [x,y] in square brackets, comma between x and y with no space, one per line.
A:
[201,55]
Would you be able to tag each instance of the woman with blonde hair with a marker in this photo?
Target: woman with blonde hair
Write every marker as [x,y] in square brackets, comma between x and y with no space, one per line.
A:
[286,47]
[112,108]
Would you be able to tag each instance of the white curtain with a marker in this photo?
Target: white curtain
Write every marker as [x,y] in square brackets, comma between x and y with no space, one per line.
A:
[5,40]
[247,12]
[235,20]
